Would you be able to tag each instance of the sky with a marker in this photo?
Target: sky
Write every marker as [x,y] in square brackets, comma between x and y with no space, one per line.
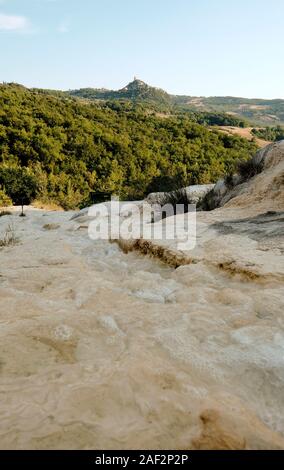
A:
[191,47]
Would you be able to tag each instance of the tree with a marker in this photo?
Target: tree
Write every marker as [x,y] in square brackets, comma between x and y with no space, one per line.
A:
[19,184]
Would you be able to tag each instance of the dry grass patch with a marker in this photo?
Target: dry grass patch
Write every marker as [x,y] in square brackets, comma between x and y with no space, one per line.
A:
[51,226]
[8,238]
[47,206]
[4,212]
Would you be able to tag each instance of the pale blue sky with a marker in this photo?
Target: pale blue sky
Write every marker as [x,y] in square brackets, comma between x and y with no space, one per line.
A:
[193,47]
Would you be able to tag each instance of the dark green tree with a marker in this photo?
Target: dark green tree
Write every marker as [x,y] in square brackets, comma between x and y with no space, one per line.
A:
[20,185]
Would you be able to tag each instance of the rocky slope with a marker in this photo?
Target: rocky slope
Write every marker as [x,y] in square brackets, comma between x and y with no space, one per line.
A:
[252,208]
[264,191]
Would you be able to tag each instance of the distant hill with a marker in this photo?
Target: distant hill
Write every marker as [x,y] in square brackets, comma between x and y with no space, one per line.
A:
[256,111]
[137,91]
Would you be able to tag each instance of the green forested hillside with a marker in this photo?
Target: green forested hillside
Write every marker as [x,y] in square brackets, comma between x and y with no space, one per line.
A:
[69,149]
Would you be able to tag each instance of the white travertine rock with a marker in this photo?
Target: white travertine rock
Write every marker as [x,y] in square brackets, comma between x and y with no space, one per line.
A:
[195,194]
[263,186]
[106,350]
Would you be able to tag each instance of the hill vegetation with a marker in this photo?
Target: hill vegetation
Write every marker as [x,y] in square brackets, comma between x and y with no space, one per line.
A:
[270,133]
[69,150]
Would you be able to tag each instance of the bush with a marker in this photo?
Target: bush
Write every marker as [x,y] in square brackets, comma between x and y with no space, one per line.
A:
[249,168]
[229,181]
[176,198]
[179,196]
[208,203]
[4,199]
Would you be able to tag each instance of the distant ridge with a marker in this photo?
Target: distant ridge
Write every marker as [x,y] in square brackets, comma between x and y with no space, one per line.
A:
[258,111]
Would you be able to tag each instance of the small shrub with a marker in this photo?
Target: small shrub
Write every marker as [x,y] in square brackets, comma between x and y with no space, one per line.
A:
[208,203]
[51,226]
[249,168]
[229,181]
[175,198]
[9,237]
[179,196]
[4,199]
